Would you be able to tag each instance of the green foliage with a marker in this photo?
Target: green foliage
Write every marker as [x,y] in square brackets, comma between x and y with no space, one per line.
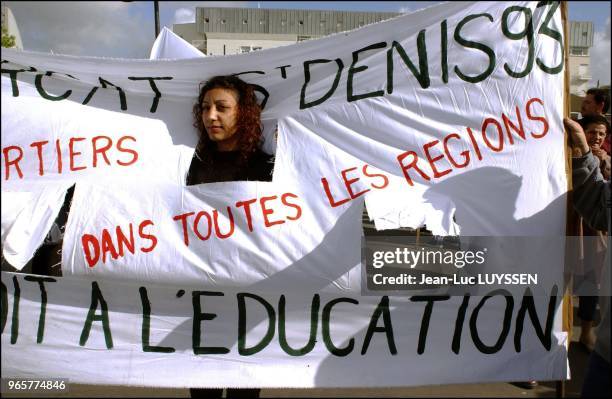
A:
[7,40]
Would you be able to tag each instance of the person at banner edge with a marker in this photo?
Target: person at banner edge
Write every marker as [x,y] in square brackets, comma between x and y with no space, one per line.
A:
[597,102]
[595,127]
[228,118]
[592,201]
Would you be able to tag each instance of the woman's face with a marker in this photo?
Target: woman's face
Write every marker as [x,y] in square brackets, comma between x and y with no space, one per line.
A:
[595,134]
[220,117]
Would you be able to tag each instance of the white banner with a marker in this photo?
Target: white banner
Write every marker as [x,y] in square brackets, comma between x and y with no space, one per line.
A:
[169,45]
[109,332]
[69,142]
[449,117]
[221,234]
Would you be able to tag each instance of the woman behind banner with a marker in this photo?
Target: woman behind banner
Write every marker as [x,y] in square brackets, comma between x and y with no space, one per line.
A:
[228,119]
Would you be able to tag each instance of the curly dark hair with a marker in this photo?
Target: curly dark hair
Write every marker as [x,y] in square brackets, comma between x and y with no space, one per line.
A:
[249,118]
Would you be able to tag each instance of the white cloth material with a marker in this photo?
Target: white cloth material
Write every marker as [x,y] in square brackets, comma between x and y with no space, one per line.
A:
[169,45]
[71,351]
[26,220]
[385,115]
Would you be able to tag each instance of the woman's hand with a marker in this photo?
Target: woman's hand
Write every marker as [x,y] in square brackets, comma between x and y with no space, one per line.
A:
[578,140]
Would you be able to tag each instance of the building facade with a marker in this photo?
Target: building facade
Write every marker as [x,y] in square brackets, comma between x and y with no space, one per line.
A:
[224,31]
[8,21]
[580,43]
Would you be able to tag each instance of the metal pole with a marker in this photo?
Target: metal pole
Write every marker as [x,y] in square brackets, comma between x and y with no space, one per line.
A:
[156,5]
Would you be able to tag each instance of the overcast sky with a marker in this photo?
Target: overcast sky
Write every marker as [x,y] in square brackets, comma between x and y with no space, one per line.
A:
[126,29]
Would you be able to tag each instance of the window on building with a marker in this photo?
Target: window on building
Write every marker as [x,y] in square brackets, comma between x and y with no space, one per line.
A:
[579,51]
[256,48]
[302,38]
[245,49]
[206,20]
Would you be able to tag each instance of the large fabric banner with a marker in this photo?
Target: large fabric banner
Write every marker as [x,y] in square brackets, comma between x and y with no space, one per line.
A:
[169,45]
[450,117]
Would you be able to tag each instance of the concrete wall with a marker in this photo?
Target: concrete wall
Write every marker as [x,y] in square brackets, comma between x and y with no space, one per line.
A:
[189,33]
[228,43]
[580,74]
[224,31]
